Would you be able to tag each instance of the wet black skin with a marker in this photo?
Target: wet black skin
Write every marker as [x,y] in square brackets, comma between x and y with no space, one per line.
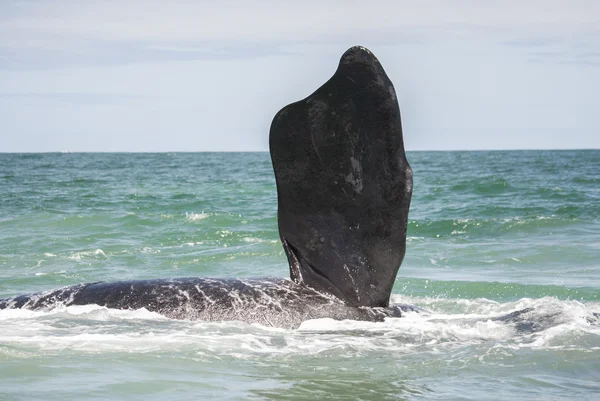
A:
[344,184]
[270,302]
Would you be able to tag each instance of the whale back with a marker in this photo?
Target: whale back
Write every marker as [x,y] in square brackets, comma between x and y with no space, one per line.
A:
[343,183]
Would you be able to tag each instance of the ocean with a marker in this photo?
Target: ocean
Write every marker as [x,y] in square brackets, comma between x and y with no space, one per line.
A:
[489,234]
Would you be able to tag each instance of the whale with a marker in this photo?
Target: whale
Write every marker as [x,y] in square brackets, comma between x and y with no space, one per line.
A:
[270,302]
[344,187]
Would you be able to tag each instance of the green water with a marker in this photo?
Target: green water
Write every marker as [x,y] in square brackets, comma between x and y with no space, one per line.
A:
[489,233]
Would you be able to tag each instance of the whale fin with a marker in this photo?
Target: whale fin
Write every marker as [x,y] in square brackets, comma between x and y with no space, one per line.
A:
[343,183]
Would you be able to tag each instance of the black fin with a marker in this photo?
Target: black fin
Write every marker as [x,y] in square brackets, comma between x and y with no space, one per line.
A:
[343,183]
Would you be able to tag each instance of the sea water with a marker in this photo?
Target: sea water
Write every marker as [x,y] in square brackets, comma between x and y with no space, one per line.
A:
[489,234]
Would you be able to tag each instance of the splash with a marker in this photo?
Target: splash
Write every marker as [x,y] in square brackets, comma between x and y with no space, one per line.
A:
[196,216]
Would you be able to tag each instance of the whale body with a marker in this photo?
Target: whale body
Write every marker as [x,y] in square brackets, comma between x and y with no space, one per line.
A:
[269,302]
[344,188]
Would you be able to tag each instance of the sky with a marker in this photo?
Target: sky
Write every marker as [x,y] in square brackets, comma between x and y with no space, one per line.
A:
[153,76]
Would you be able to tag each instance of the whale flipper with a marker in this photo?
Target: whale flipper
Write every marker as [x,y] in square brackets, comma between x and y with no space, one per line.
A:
[343,183]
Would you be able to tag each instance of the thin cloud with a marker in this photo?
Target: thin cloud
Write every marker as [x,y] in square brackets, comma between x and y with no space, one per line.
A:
[193,21]
[40,34]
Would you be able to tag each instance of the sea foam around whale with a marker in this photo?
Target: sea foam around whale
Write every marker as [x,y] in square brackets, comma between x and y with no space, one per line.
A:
[446,325]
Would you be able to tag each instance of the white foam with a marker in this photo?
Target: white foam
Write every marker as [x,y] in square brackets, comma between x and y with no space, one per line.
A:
[150,251]
[452,323]
[254,240]
[87,254]
[92,312]
[196,216]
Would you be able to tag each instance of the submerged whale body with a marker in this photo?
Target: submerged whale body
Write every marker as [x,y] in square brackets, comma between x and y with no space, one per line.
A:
[270,302]
[344,188]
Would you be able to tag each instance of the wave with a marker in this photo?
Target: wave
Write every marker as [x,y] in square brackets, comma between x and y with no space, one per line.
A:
[545,322]
[495,291]
[491,226]
[196,216]
[98,253]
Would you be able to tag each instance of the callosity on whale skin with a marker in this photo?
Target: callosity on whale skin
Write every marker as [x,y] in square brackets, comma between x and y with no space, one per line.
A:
[344,188]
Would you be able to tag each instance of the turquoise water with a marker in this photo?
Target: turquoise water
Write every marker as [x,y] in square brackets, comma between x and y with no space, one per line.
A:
[489,233]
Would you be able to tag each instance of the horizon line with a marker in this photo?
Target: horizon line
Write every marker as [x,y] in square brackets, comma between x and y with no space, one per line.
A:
[267,151]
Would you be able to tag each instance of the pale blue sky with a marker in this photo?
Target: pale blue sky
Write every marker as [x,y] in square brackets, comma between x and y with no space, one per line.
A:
[210,75]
